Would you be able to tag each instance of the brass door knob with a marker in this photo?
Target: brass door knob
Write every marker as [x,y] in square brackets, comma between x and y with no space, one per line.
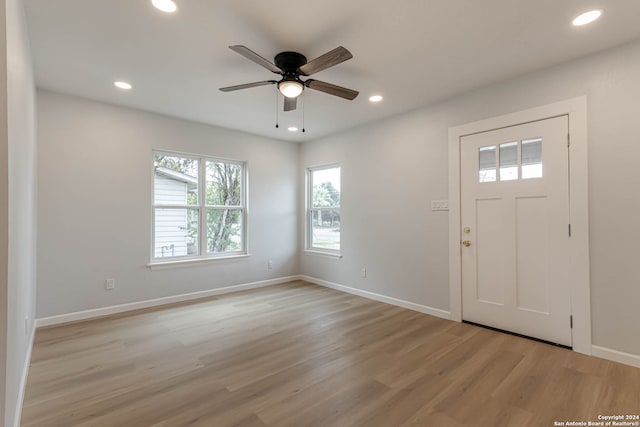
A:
[466,243]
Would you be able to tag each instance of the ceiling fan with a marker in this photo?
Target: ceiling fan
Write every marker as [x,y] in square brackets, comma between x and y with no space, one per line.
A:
[292,65]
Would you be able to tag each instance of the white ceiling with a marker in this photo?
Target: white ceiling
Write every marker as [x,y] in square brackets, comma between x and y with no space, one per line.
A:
[414,52]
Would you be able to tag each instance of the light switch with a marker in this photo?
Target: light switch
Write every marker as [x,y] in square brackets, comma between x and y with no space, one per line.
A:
[439,205]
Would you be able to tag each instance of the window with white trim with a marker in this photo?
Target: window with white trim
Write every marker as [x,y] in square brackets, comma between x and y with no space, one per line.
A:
[199,207]
[323,209]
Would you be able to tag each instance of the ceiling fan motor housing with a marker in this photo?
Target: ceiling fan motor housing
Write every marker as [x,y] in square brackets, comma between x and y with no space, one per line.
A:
[289,62]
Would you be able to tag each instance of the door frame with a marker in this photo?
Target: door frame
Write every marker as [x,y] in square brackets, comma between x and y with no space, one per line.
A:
[579,286]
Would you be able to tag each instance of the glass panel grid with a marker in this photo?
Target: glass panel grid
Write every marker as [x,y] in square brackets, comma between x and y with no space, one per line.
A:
[517,160]
[224,230]
[532,158]
[325,187]
[509,161]
[197,183]
[325,229]
[487,164]
[224,184]
[175,180]
[176,232]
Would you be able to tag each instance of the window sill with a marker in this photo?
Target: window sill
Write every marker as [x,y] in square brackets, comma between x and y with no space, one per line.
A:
[194,261]
[324,254]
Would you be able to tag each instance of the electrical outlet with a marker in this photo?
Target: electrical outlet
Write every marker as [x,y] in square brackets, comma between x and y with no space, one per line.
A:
[363,272]
[26,325]
[270,264]
[109,284]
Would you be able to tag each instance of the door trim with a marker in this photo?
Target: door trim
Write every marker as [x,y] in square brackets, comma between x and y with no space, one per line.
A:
[576,110]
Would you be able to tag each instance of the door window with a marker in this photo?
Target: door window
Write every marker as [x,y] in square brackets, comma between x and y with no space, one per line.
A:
[517,159]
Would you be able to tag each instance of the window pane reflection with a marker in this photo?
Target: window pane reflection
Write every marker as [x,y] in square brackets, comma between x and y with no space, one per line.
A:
[509,161]
[487,161]
[532,158]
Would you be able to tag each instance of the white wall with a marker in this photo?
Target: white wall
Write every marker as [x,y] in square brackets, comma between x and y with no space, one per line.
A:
[394,168]
[4,210]
[94,178]
[20,168]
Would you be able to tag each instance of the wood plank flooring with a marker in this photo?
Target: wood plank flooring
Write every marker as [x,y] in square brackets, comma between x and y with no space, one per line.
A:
[302,355]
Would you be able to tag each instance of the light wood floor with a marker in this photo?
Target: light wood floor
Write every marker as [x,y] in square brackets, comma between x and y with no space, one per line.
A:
[301,355]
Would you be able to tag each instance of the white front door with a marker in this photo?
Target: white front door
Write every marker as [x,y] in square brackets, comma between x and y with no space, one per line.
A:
[515,229]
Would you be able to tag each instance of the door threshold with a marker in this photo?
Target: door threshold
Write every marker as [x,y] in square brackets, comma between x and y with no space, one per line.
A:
[518,335]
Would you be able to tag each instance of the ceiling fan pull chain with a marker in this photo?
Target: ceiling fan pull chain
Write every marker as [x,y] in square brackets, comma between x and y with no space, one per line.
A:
[277,125]
[303,104]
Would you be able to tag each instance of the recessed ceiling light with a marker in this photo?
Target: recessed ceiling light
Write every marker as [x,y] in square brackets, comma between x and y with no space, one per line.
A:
[292,129]
[167,6]
[122,85]
[375,98]
[587,18]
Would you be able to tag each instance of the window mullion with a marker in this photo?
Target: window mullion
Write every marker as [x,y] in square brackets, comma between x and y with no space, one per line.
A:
[228,207]
[160,206]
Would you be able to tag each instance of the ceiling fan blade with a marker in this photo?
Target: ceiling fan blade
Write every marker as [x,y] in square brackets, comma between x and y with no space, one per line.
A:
[290,104]
[249,54]
[248,85]
[331,89]
[329,59]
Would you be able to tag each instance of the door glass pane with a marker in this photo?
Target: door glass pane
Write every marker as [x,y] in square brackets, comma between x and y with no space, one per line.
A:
[224,230]
[487,164]
[223,184]
[532,158]
[176,232]
[508,161]
[175,180]
[325,229]
[326,187]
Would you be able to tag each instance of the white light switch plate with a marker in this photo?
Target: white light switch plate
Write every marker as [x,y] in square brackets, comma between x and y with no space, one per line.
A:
[439,205]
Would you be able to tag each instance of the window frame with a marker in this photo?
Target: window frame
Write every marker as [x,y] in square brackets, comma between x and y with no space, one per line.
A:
[202,207]
[309,209]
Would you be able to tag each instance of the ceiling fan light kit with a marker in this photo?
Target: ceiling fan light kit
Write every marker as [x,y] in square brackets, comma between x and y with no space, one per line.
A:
[291,66]
[290,88]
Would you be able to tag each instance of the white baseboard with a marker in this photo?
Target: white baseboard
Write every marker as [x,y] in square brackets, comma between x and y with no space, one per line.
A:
[616,356]
[121,308]
[23,378]
[378,297]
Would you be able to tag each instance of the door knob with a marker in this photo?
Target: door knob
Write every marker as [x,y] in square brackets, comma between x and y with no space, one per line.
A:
[466,243]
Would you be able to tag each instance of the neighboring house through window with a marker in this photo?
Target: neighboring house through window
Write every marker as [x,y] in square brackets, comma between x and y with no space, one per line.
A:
[323,209]
[199,207]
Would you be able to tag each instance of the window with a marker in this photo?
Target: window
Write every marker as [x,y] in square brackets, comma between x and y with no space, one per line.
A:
[323,209]
[487,168]
[199,207]
[517,160]
[509,161]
